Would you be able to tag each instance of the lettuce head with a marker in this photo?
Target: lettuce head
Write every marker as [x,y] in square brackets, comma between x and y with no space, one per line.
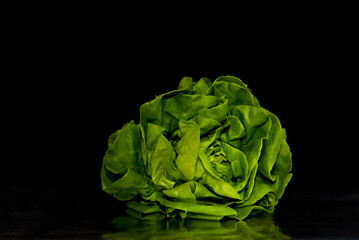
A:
[206,151]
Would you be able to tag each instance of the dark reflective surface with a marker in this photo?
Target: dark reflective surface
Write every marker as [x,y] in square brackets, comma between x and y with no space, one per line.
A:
[56,213]
[320,214]
[156,227]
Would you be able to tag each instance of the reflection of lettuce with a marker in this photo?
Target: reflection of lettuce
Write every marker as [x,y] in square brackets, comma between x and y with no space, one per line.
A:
[262,227]
[206,150]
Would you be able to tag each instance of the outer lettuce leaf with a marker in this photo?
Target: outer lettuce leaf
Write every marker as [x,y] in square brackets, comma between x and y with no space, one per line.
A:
[207,151]
[187,148]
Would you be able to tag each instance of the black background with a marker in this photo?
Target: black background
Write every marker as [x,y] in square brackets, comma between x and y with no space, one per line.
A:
[72,84]
[68,105]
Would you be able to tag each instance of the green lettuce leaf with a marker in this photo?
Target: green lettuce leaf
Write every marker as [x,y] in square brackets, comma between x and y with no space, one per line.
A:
[206,150]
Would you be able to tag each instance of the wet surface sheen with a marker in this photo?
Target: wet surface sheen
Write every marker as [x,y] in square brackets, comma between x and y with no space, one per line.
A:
[260,227]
